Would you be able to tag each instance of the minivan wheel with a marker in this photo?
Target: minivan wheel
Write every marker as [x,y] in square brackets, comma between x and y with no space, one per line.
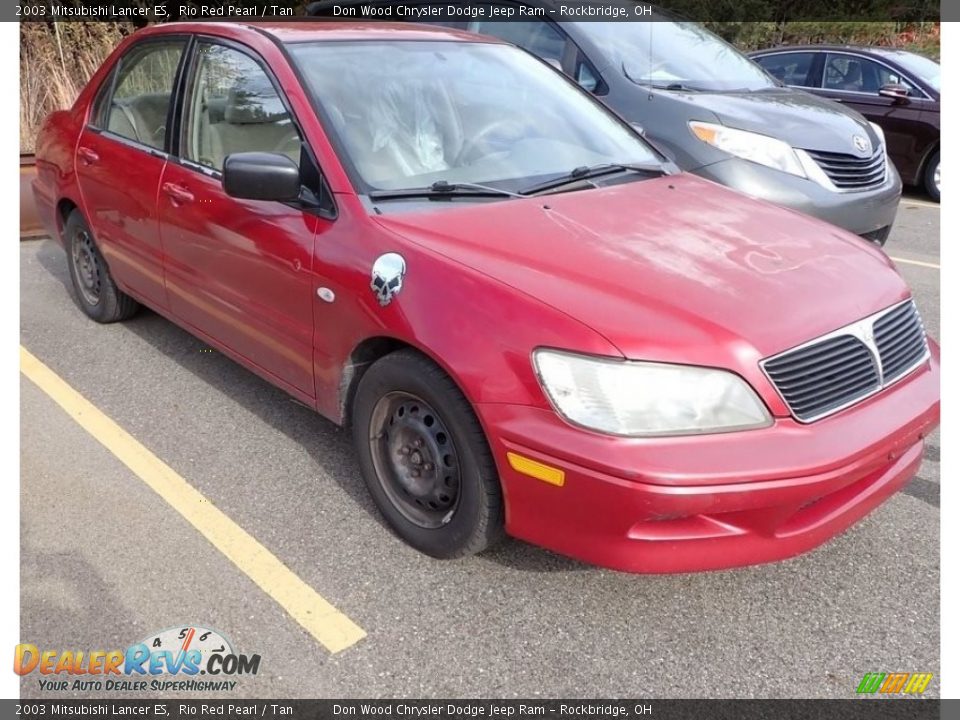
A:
[97,293]
[931,176]
[425,458]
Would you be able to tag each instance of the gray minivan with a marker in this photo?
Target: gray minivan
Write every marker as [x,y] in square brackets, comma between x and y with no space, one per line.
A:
[717,113]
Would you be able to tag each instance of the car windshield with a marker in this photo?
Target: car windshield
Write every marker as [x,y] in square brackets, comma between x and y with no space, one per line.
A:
[410,113]
[676,55]
[923,67]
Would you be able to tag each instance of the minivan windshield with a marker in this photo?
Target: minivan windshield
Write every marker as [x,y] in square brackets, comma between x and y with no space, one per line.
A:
[676,55]
[409,114]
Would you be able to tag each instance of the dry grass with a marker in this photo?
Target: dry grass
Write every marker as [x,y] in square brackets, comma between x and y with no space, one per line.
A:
[56,61]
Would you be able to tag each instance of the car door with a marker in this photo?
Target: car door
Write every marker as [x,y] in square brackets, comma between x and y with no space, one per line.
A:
[796,69]
[239,271]
[855,80]
[121,155]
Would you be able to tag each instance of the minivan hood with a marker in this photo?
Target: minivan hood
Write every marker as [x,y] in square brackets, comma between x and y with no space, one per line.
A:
[799,118]
[667,269]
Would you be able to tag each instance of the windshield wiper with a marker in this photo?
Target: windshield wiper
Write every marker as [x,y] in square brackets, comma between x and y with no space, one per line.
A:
[443,189]
[585,172]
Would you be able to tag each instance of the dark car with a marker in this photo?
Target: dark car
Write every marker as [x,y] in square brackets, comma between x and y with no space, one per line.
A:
[712,109]
[897,89]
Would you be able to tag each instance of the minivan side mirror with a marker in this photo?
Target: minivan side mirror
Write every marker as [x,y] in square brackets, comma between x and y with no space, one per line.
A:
[897,92]
[261,176]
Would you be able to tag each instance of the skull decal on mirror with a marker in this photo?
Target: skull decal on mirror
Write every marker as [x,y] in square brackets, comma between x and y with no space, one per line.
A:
[387,277]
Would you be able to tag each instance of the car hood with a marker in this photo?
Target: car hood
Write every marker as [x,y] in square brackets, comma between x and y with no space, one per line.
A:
[800,118]
[668,269]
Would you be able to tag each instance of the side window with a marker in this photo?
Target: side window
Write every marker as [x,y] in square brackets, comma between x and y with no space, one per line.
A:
[138,107]
[789,68]
[857,74]
[233,107]
[586,77]
[538,37]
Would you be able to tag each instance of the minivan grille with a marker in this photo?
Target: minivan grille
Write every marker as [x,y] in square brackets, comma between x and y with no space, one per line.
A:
[829,374]
[849,172]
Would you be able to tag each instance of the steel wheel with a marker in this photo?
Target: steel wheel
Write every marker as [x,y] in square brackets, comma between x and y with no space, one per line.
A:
[86,266]
[415,459]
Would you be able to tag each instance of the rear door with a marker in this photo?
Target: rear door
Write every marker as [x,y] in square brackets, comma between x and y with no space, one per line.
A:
[120,159]
[239,271]
[798,69]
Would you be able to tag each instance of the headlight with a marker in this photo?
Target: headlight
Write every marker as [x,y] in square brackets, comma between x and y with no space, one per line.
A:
[641,398]
[879,131]
[754,147]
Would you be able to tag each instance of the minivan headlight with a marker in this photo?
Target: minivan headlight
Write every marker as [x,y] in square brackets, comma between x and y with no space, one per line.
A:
[751,146]
[638,399]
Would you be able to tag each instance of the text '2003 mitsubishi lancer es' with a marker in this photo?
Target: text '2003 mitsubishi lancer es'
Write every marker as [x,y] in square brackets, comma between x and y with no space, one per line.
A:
[534,324]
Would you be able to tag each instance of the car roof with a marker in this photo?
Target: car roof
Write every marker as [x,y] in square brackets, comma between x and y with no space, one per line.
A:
[865,49]
[292,31]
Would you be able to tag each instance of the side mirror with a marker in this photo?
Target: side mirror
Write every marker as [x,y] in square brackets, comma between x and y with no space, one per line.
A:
[261,176]
[896,92]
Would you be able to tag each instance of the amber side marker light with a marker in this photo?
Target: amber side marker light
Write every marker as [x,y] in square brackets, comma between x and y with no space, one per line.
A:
[534,469]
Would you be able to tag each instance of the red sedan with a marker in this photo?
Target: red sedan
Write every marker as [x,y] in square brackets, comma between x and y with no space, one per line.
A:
[532,322]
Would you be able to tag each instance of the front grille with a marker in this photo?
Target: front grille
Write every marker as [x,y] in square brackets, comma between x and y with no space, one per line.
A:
[845,366]
[824,376]
[901,340]
[849,172]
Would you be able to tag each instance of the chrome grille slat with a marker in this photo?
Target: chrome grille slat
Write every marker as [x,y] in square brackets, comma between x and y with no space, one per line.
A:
[789,388]
[901,341]
[851,172]
[839,389]
[838,356]
[842,368]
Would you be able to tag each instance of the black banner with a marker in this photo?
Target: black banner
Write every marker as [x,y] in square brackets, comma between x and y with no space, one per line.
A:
[890,709]
[775,11]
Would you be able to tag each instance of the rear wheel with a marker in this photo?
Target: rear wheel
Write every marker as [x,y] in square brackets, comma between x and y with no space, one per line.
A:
[425,458]
[931,176]
[97,293]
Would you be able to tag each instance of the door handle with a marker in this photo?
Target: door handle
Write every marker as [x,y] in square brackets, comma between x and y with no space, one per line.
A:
[177,193]
[87,155]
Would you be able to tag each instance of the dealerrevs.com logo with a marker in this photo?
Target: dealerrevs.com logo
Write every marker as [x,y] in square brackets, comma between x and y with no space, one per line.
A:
[170,660]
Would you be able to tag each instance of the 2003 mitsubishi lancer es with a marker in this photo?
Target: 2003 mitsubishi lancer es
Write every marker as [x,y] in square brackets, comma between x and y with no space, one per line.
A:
[533,323]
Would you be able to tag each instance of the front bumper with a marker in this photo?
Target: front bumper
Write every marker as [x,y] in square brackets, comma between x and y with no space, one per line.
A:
[686,504]
[863,213]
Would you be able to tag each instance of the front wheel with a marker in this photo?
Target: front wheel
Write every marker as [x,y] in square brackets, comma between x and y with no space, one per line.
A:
[97,293]
[931,176]
[425,458]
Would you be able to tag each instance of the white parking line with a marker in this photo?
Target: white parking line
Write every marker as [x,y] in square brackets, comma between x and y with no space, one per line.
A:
[920,203]
[920,263]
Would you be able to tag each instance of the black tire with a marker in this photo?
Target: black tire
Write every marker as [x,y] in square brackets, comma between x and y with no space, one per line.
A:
[931,175]
[94,287]
[467,516]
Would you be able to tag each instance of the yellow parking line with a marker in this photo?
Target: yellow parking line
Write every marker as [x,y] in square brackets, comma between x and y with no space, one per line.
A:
[330,627]
[920,263]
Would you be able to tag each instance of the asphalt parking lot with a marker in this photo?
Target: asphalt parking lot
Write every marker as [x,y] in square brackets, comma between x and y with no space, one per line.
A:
[106,561]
